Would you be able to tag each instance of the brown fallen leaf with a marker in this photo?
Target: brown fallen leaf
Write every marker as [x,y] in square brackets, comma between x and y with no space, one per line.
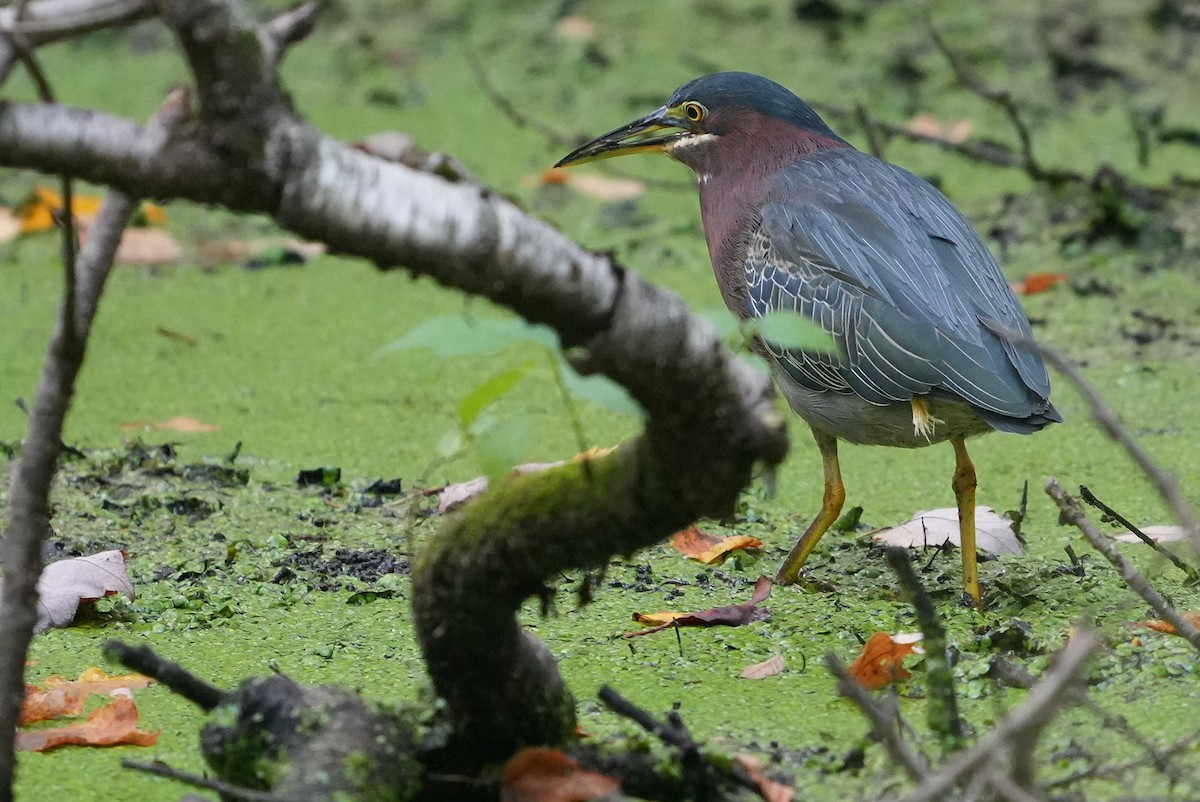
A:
[767,668]
[179,423]
[581,29]
[768,789]
[10,225]
[114,724]
[956,131]
[95,680]
[1159,625]
[605,188]
[993,533]
[40,705]
[881,659]
[147,246]
[733,615]
[711,549]
[537,774]
[66,584]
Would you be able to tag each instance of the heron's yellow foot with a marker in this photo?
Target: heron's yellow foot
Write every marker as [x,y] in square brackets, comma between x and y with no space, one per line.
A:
[831,508]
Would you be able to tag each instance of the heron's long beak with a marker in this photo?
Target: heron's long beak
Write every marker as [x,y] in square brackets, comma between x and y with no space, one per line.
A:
[651,133]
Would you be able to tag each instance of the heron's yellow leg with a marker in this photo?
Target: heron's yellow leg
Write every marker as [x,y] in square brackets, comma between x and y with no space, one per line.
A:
[831,507]
[964,495]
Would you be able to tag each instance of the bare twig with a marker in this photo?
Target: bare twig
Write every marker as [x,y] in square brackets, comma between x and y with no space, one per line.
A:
[1047,698]
[1003,99]
[290,27]
[1171,556]
[883,721]
[226,790]
[673,733]
[144,660]
[1106,418]
[1072,512]
[942,707]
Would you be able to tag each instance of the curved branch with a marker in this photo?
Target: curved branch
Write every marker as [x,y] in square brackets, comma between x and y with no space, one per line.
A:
[710,416]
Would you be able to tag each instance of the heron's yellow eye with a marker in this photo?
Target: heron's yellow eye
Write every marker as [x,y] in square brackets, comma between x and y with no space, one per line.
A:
[694,111]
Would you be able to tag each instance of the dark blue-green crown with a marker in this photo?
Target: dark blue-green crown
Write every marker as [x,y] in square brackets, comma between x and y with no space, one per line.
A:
[747,90]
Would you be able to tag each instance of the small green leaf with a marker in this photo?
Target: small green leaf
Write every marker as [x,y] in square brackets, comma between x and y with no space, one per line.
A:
[489,392]
[501,446]
[794,331]
[456,335]
[601,390]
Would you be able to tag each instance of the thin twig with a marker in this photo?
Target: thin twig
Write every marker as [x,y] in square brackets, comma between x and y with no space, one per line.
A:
[883,721]
[1045,701]
[1003,99]
[1072,512]
[226,790]
[673,733]
[144,660]
[942,708]
[1174,559]
[1106,418]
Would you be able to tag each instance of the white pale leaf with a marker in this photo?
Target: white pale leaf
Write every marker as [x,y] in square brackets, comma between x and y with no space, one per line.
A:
[1159,534]
[65,584]
[993,533]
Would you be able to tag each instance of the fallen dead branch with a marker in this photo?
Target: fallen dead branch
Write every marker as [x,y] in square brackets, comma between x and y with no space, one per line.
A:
[1070,511]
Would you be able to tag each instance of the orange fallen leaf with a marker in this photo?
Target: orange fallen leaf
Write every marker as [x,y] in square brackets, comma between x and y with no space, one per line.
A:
[881,660]
[1159,625]
[1037,282]
[767,668]
[115,724]
[537,774]
[179,423]
[40,705]
[768,789]
[95,680]
[711,549]
[555,176]
[732,615]
[605,188]
[36,212]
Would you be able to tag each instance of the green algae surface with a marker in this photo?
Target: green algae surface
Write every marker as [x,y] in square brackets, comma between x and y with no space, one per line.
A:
[236,578]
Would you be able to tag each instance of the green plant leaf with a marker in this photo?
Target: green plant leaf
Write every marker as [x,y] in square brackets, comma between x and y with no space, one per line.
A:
[600,390]
[489,392]
[793,331]
[456,335]
[501,446]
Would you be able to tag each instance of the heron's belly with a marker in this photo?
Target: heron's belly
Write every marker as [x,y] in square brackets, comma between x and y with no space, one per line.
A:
[854,420]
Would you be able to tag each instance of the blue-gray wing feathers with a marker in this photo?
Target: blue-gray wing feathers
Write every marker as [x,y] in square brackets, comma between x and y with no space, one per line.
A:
[884,262]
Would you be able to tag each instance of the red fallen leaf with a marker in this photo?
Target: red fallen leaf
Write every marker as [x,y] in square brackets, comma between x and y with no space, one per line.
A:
[66,584]
[95,680]
[41,705]
[881,660]
[733,615]
[767,668]
[537,774]
[115,724]
[1037,282]
[1159,625]
[708,548]
[768,789]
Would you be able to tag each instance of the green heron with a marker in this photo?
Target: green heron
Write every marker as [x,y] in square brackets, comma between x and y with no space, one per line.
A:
[796,219]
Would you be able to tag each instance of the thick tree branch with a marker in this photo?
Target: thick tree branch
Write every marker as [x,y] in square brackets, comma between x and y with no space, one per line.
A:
[710,416]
